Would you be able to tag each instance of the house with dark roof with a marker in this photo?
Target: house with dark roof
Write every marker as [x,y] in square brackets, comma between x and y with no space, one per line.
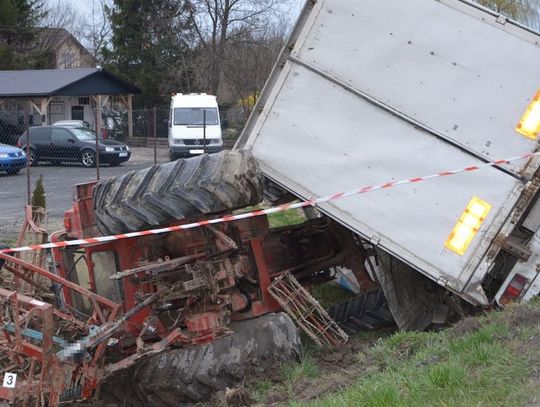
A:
[50,95]
[54,48]
[65,50]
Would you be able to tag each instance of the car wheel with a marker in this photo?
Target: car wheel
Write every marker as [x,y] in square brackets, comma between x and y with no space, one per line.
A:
[14,171]
[33,158]
[172,156]
[88,158]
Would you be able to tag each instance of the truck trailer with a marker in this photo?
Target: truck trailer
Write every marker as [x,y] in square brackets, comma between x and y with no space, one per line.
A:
[380,91]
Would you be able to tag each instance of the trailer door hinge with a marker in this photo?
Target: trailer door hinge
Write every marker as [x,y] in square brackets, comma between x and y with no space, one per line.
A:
[501,19]
[443,282]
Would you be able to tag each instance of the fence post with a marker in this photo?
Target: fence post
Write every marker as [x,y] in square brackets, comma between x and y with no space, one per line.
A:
[204,131]
[28,179]
[98,130]
[155,136]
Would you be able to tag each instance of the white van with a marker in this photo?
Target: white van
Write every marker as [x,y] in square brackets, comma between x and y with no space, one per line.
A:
[194,125]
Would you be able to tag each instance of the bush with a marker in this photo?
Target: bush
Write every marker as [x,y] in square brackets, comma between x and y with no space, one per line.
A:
[38,196]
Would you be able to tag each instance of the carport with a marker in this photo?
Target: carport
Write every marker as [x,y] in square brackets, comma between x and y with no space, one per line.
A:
[40,87]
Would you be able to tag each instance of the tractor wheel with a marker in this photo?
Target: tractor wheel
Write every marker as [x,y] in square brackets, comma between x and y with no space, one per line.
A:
[178,190]
[364,312]
[195,374]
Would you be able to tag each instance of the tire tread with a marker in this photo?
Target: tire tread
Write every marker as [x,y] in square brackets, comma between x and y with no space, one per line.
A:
[178,190]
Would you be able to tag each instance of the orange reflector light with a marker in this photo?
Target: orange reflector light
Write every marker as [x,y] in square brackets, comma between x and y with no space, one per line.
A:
[467,226]
[529,125]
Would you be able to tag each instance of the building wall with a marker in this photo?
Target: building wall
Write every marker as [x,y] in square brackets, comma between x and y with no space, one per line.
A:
[69,55]
[66,107]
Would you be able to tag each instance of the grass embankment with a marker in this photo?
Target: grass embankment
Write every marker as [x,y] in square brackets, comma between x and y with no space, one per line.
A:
[492,360]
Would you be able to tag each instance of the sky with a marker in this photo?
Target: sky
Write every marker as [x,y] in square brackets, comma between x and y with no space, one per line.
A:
[293,7]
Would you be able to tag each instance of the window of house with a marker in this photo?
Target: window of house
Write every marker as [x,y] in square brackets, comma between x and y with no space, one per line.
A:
[68,60]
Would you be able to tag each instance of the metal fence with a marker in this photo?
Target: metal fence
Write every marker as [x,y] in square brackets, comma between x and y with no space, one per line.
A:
[70,156]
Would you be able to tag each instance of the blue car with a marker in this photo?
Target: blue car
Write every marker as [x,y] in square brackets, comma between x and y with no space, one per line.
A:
[12,159]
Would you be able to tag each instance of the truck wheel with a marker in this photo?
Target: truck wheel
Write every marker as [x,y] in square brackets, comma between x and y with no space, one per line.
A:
[364,312]
[195,374]
[413,298]
[178,190]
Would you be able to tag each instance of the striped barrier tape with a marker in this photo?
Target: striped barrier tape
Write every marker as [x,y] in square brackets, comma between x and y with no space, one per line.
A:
[281,208]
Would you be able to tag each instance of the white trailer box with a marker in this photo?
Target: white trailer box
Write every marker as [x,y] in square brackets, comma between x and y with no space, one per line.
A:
[383,90]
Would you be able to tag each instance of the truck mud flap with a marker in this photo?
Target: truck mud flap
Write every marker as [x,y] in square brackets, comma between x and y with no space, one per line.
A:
[413,299]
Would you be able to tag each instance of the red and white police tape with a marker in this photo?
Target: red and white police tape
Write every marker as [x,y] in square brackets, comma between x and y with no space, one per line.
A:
[281,208]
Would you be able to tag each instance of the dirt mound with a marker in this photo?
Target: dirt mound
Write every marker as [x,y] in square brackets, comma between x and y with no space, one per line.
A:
[514,315]
[465,326]
[519,315]
[341,366]
[238,397]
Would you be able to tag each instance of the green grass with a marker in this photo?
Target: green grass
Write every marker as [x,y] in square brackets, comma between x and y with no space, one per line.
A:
[329,294]
[278,219]
[486,367]
[286,218]
[261,388]
[307,368]
[288,375]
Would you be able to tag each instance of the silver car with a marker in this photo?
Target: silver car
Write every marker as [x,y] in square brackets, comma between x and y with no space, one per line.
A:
[73,124]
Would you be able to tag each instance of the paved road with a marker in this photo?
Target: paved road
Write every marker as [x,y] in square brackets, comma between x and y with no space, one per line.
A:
[58,182]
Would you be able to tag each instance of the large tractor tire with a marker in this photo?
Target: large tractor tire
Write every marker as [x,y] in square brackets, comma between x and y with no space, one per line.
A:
[195,374]
[189,188]
[364,312]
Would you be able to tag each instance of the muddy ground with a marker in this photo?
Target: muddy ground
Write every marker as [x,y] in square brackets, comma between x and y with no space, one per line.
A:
[346,365]
[340,368]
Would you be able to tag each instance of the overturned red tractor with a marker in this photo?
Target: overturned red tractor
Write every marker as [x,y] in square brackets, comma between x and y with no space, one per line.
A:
[104,306]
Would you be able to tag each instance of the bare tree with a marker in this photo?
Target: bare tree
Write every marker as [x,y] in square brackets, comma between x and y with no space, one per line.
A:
[524,11]
[219,23]
[92,31]
[59,16]
[249,61]
[97,30]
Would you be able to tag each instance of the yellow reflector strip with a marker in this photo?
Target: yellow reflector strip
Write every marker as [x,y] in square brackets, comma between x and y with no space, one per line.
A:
[467,226]
[529,125]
